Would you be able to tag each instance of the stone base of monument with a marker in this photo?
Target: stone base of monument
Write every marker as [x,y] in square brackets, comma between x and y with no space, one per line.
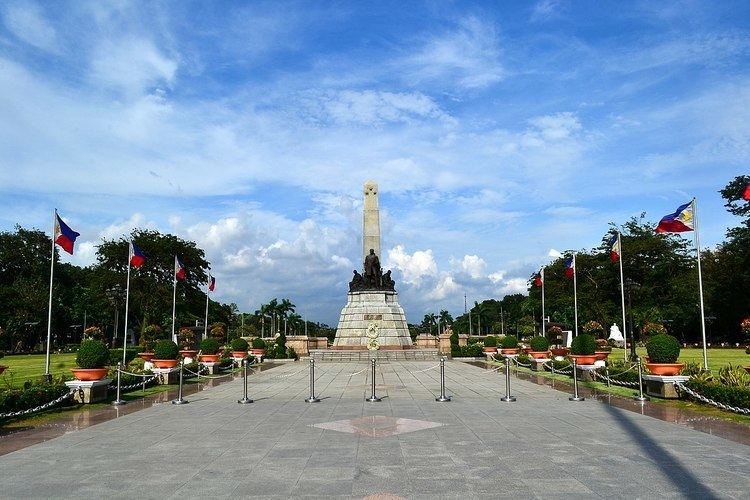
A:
[372,312]
[167,376]
[357,355]
[661,386]
[89,392]
[537,365]
[425,341]
[584,372]
[213,368]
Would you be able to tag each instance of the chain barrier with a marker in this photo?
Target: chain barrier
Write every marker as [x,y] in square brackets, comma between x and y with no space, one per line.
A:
[113,387]
[210,377]
[700,397]
[563,371]
[357,373]
[426,369]
[623,383]
[518,363]
[41,407]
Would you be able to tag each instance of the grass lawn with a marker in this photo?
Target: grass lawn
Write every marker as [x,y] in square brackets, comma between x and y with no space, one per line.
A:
[22,367]
[717,358]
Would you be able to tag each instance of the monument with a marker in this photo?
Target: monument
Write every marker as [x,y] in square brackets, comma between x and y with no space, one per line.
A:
[372,317]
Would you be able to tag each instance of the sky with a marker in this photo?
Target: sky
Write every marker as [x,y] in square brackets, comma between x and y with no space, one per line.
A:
[497,132]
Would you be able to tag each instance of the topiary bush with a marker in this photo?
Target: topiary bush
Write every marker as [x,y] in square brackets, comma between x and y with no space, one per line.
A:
[490,341]
[539,343]
[92,354]
[166,349]
[509,342]
[583,345]
[663,348]
[186,337]
[554,334]
[209,345]
[239,344]
[259,343]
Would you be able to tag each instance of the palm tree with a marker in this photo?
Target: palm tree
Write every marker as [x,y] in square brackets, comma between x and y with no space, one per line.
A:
[295,321]
[263,312]
[429,321]
[445,318]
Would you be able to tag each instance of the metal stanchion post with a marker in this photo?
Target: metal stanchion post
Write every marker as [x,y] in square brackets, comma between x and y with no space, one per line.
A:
[118,401]
[143,384]
[180,400]
[640,397]
[443,398]
[575,396]
[245,400]
[606,374]
[373,398]
[508,398]
[312,398]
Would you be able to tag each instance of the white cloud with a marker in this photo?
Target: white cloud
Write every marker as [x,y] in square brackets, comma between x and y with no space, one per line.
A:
[132,64]
[557,127]
[26,21]
[471,265]
[544,10]
[413,267]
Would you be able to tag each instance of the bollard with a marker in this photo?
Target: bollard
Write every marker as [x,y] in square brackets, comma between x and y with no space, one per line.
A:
[508,398]
[373,398]
[143,385]
[118,401]
[606,374]
[312,398]
[575,396]
[180,400]
[443,398]
[640,397]
[245,400]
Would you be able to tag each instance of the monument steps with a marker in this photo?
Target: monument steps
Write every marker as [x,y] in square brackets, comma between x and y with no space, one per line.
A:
[385,355]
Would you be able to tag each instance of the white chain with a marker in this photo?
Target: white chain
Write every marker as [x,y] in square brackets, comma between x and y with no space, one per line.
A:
[680,387]
[39,408]
[357,373]
[623,383]
[426,369]
[133,386]
[563,371]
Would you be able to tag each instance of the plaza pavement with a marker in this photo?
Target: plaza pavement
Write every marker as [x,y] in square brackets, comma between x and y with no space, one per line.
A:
[407,446]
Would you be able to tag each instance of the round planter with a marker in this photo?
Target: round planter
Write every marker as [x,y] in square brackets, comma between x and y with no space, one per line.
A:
[146,356]
[189,353]
[164,363]
[666,369]
[539,354]
[210,358]
[89,374]
[3,368]
[239,354]
[583,359]
[490,349]
[559,351]
[527,350]
[601,355]
[509,351]
[257,352]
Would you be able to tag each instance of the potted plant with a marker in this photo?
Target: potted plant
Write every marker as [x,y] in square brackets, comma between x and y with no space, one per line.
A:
[92,361]
[509,345]
[258,347]
[210,350]
[539,347]
[148,334]
[2,367]
[583,349]
[218,331]
[490,344]
[186,337]
[239,348]
[166,354]
[554,335]
[93,333]
[663,350]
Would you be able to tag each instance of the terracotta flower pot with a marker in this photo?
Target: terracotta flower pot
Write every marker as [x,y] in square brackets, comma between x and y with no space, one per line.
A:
[527,350]
[601,355]
[239,354]
[559,351]
[210,358]
[666,369]
[146,356]
[164,363]
[509,351]
[539,354]
[490,349]
[257,352]
[188,353]
[583,359]
[3,368]
[89,374]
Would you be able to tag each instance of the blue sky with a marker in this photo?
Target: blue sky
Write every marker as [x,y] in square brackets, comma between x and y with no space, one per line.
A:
[496,130]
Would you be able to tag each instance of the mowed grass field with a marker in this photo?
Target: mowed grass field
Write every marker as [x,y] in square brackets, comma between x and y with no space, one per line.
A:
[23,367]
[717,358]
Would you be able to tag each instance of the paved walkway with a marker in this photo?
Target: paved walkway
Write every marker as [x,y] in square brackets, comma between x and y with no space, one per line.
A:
[408,445]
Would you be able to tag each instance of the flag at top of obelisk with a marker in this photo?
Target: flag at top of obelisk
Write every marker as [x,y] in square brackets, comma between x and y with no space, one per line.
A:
[371,221]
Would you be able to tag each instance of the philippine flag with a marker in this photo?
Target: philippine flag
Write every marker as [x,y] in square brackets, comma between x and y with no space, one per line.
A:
[614,248]
[539,278]
[678,222]
[179,269]
[137,259]
[64,236]
[570,267]
[211,283]
[746,194]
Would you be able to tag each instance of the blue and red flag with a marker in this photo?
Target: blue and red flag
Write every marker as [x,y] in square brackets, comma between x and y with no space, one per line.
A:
[211,283]
[746,194]
[137,259]
[179,269]
[570,267]
[64,236]
[614,248]
[678,222]
[539,278]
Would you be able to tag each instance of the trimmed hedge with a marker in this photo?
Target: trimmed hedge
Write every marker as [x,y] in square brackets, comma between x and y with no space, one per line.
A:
[539,343]
[490,341]
[509,342]
[166,349]
[92,354]
[239,344]
[209,345]
[467,351]
[663,348]
[31,396]
[259,343]
[734,396]
[583,345]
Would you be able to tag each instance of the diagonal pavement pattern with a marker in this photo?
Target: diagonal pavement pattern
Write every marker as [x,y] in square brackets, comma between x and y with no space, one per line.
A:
[406,446]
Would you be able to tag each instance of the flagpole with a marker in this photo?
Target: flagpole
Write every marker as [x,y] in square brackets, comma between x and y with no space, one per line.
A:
[127,303]
[622,296]
[205,323]
[544,331]
[174,297]
[49,308]
[575,295]
[700,280]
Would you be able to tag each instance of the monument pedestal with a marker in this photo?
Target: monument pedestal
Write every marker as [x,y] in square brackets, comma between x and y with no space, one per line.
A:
[167,376]
[89,391]
[662,386]
[212,367]
[372,307]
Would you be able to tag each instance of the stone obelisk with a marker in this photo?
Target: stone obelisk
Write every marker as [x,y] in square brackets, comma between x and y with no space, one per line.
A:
[371,220]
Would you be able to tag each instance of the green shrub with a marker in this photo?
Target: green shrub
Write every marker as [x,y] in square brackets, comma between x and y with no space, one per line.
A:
[583,345]
[115,355]
[239,344]
[209,345]
[509,342]
[31,395]
[186,338]
[291,353]
[259,343]
[734,396]
[454,339]
[539,343]
[92,354]
[472,351]
[524,358]
[490,341]
[691,368]
[663,348]
[734,376]
[166,349]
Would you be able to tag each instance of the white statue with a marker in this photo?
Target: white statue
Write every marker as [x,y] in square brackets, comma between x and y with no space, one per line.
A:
[616,335]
